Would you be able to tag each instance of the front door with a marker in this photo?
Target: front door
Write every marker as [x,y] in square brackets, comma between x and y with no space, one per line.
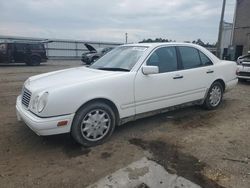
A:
[158,91]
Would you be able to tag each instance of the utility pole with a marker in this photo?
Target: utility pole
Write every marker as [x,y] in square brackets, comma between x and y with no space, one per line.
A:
[221,29]
[126,38]
[235,12]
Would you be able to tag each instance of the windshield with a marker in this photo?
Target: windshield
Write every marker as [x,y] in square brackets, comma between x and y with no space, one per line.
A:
[121,59]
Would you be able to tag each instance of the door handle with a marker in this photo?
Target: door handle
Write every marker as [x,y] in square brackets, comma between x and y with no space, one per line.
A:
[210,71]
[178,77]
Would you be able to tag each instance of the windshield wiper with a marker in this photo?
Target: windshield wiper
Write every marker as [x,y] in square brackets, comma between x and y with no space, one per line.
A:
[113,69]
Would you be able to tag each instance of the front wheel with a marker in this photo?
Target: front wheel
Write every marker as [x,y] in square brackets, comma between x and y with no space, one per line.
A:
[214,96]
[93,124]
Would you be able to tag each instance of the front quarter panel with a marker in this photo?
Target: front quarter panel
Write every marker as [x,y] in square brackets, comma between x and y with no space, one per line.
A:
[118,88]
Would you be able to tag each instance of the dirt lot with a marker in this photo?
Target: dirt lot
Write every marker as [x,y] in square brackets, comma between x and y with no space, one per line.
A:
[211,148]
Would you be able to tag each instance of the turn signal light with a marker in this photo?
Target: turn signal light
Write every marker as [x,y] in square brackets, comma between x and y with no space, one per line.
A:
[62,123]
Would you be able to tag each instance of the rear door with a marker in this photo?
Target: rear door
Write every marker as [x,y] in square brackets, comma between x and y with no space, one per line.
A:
[20,52]
[197,72]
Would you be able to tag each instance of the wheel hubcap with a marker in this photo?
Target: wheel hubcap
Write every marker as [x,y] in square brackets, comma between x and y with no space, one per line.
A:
[95,125]
[215,96]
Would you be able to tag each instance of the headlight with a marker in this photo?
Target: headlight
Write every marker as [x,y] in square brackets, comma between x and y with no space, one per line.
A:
[42,102]
[39,102]
[35,102]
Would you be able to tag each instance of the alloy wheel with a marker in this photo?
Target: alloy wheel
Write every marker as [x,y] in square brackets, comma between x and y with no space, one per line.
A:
[95,125]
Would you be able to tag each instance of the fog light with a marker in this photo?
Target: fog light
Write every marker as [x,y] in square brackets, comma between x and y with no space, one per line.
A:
[62,123]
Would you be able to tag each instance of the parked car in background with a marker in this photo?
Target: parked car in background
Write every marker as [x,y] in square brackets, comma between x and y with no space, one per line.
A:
[31,53]
[93,54]
[130,82]
[244,67]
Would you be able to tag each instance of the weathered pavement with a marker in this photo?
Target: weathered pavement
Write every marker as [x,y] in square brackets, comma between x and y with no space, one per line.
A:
[143,173]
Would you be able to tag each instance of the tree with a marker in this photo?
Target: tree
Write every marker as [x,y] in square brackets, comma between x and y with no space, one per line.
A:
[198,41]
[155,40]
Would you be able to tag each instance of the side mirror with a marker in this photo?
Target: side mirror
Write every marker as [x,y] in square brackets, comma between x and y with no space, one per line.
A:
[150,70]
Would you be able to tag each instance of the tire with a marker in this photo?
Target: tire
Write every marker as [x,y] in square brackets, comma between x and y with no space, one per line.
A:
[214,96]
[34,61]
[93,124]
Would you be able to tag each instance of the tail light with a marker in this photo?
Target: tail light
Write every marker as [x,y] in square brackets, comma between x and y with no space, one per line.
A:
[237,71]
[3,48]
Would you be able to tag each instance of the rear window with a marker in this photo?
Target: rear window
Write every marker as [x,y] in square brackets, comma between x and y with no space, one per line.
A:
[205,60]
[20,47]
[36,46]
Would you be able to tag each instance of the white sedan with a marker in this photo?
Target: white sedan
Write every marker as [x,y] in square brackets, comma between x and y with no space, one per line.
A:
[130,82]
[244,67]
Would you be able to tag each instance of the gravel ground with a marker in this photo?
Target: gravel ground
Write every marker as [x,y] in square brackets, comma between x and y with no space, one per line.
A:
[211,148]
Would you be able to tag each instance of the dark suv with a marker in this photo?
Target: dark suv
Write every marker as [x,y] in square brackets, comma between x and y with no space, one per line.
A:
[22,52]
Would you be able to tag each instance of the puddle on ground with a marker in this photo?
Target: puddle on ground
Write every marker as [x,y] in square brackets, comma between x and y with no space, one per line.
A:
[76,150]
[142,185]
[176,162]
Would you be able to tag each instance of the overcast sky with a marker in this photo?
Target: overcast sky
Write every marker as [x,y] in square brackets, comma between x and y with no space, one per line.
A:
[108,20]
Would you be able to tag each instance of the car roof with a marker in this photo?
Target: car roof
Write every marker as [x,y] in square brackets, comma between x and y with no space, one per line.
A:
[156,44]
[20,42]
[161,44]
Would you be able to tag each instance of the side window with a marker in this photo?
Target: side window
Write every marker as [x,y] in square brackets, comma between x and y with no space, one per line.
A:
[205,61]
[20,47]
[190,57]
[36,46]
[165,58]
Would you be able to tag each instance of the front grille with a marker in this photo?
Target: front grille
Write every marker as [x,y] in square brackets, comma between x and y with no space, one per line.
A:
[244,74]
[26,97]
[246,64]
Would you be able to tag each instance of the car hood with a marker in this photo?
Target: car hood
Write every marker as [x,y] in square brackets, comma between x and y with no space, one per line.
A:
[90,48]
[65,77]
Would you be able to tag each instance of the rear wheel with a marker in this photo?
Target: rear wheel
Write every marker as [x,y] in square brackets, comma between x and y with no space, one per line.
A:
[93,124]
[34,61]
[214,96]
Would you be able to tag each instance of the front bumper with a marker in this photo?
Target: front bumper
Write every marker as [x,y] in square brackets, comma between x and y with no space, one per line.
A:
[43,126]
[244,72]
